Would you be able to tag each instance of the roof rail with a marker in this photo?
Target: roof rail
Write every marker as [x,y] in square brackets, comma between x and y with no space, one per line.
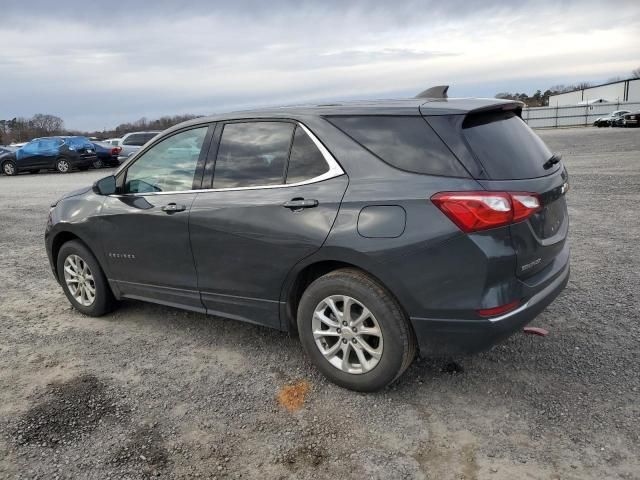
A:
[439,91]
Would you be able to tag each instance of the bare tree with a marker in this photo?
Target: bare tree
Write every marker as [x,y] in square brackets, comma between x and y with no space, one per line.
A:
[635,73]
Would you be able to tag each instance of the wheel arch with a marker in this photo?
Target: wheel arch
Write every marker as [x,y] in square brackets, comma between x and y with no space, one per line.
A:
[65,236]
[304,274]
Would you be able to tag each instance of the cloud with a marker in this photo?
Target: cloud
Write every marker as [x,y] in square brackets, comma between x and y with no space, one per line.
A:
[100,64]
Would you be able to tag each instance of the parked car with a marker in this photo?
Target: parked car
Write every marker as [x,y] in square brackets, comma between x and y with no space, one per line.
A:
[372,229]
[610,119]
[50,153]
[106,155]
[131,143]
[631,119]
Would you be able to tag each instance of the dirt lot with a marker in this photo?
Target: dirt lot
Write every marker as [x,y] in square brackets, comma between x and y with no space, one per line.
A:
[153,391]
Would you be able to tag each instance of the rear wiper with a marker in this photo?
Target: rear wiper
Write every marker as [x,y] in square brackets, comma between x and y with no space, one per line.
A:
[555,158]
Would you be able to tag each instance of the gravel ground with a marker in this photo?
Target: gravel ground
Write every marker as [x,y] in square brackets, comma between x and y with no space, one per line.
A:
[153,391]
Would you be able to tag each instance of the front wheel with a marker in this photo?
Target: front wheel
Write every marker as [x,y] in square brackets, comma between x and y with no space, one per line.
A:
[9,168]
[63,165]
[354,331]
[83,281]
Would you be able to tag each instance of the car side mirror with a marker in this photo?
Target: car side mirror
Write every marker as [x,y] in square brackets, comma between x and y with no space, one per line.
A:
[105,186]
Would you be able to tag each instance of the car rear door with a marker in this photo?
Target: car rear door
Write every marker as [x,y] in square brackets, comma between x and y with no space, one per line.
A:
[274,194]
[145,226]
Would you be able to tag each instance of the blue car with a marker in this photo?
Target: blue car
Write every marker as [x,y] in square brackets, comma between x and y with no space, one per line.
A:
[50,153]
[107,155]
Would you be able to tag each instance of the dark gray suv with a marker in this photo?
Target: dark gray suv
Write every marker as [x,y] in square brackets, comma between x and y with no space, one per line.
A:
[372,229]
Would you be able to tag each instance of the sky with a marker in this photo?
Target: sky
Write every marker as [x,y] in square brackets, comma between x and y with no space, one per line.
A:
[103,63]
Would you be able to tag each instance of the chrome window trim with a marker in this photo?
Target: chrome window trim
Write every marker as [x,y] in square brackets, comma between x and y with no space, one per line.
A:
[335,170]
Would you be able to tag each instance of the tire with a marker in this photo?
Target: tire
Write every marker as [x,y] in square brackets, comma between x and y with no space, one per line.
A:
[9,168]
[98,163]
[395,345]
[76,253]
[63,165]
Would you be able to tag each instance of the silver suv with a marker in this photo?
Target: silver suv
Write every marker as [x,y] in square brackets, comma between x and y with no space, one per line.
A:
[131,143]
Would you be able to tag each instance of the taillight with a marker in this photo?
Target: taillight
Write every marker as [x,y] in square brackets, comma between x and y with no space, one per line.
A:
[116,150]
[474,211]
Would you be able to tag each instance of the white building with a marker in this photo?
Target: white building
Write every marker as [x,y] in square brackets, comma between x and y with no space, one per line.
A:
[614,92]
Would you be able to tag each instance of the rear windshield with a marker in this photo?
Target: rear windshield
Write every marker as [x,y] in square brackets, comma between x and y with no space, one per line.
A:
[507,148]
[407,143]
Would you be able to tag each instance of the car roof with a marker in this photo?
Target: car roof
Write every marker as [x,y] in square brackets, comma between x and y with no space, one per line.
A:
[409,106]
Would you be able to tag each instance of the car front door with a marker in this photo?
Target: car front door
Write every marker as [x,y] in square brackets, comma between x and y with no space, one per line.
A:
[29,156]
[275,192]
[145,225]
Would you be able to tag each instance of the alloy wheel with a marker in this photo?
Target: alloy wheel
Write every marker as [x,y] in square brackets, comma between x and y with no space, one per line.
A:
[79,280]
[9,168]
[63,166]
[347,334]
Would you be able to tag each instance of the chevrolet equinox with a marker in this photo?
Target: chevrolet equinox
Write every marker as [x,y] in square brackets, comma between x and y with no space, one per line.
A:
[372,229]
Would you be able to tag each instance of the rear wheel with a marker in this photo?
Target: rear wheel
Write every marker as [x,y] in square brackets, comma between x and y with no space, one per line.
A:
[97,163]
[63,165]
[354,331]
[83,281]
[9,168]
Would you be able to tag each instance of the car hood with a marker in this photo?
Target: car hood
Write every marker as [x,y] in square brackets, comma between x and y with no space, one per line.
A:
[74,193]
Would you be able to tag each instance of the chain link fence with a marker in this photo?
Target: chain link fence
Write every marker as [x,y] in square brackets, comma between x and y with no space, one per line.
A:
[573,115]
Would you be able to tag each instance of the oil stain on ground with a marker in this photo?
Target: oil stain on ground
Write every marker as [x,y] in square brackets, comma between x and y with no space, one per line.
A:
[292,396]
[67,411]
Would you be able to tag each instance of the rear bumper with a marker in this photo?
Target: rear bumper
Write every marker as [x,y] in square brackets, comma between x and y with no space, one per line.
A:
[457,336]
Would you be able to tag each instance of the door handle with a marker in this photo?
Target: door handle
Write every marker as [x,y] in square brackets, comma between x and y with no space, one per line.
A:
[173,208]
[300,203]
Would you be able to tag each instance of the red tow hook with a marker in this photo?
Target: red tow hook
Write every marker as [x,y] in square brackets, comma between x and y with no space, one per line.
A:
[541,332]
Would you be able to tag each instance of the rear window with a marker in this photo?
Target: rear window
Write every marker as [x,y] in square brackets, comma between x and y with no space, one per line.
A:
[407,143]
[505,146]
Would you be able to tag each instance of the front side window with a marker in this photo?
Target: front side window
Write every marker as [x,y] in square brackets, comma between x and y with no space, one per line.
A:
[305,161]
[168,166]
[252,154]
[31,147]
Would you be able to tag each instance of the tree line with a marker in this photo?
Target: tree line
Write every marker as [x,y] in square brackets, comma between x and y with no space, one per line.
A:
[44,125]
[21,129]
[24,129]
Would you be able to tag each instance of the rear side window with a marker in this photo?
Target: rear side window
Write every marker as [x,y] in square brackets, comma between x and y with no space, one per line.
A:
[252,154]
[505,146]
[407,143]
[305,161]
